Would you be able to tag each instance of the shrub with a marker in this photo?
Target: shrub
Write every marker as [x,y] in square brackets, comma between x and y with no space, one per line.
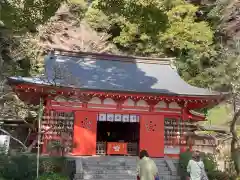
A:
[216,175]
[210,162]
[23,166]
[236,159]
[18,167]
[52,164]
[208,159]
[183,162]
[52,176]
[59,165]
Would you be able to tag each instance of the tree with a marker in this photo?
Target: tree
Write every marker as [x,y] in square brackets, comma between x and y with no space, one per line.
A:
[10,64]
[226,72]
[157,28]
[64,31]
[227,76]
[18,18]
[233,66]
[26,15]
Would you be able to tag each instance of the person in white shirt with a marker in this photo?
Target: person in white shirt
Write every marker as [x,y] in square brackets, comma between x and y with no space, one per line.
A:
[196,167]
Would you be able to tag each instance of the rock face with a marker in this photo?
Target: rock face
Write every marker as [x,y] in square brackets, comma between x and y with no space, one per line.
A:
[119,167]
[231,20]
[68,31]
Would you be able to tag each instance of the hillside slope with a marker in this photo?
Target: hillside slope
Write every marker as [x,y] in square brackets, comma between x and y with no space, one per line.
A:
[231,19]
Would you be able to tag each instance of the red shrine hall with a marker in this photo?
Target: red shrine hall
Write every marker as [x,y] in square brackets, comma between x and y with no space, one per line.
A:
[114,105]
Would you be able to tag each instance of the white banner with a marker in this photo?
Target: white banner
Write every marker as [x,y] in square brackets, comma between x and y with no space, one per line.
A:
[4,143]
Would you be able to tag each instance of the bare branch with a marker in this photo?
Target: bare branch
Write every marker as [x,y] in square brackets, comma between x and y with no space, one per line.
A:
[17,140]
[233,129]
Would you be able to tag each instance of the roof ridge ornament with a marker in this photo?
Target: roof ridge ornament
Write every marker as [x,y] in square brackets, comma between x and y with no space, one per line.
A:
[173,64]
[113,57]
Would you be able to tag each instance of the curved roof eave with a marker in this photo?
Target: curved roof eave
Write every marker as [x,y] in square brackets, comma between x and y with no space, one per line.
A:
[42,82]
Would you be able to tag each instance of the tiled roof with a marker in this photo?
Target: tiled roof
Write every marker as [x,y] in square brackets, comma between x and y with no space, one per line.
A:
[115,73]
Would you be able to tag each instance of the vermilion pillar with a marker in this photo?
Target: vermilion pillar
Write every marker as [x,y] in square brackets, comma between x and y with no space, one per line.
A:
[85,133]
[152,134]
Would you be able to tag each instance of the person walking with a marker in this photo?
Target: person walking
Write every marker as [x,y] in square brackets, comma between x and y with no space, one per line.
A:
[146,167]
[196,167]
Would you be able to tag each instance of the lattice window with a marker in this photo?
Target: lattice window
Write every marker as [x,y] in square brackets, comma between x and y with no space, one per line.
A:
[101,148]
[132,148]
[173,132]
[58,126]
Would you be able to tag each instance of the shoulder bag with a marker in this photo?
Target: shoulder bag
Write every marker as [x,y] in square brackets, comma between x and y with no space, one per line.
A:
[203,173]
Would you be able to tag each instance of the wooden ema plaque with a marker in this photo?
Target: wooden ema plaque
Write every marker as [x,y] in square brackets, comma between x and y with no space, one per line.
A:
[117,148]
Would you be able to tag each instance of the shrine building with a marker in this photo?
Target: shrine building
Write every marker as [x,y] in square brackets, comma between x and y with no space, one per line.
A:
[109,104]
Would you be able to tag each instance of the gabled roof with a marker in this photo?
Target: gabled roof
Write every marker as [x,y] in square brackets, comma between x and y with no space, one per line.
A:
[106,72]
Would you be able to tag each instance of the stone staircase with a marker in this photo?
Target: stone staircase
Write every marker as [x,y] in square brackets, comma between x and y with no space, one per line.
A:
[118,167]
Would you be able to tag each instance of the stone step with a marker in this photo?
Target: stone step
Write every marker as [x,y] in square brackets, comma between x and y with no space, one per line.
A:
[133,168]
[117,162]
[131,178]
[102,171]
[125,177]
[162,177]
[119,167]
[110,174]
[114,166]
[109,158]
[113,178]
[117,157]
[127,171]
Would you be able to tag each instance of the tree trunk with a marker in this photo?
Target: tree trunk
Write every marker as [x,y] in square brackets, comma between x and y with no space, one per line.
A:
[234,149]
[29,149]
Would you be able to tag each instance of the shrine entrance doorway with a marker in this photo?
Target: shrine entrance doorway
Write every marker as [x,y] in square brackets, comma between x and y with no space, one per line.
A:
[118,134]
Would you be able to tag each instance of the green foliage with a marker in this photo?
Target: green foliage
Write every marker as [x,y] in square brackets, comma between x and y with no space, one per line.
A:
[52,176]
[219,115]
[97,19]
[55,145]
[59,165]
[157,28]
[18,167]
[186,34]
[9,58]
[216,175]
[209,161]
[53,164]
[183,162]
[22,16]
[228,72]
[23,166]
[236,158]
